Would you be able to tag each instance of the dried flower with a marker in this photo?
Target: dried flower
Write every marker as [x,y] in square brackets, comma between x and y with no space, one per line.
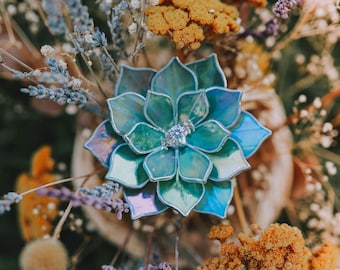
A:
[280,246]
[282,8]
[103,203]
[187,22]
[37,213]
[47,254]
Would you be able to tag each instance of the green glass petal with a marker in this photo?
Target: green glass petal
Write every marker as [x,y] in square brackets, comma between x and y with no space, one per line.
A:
[144,202]
[216,199]
[208,72]
[133,79]
[174,79]
[126,168]
[180,195]
[159,111]
[224,105]
[192,106]
[209,136]
[249,133]
[126,111]
[193,165]
[102,142]
[161,165]
[228,162]
[144,138]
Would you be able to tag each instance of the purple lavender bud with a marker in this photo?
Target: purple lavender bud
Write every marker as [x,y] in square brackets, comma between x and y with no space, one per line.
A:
[282,8]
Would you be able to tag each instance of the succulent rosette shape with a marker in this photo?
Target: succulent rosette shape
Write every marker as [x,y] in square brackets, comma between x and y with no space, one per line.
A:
[176,137]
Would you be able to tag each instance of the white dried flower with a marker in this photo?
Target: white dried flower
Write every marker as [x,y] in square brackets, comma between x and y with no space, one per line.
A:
[153,2]
[132,28]
[135,4]
[47,50]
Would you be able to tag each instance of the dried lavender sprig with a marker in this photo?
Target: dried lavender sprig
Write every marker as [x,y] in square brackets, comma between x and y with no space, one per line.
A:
[116,27]
[161,266]
[55,19]
[80,16]
[282,8]
[9,199]
[59,95]
[101,203]
[272,27]
[106,190]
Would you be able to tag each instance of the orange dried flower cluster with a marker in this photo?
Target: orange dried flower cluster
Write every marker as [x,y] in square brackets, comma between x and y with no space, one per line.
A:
[325,257]
[256,3]
[36,213]
[280,246]
[187,22]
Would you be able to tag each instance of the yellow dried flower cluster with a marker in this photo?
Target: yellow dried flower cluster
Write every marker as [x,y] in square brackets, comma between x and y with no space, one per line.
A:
[188,22]
[36,213]
[280,246]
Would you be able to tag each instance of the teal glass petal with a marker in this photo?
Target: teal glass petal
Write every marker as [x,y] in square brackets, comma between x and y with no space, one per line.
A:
[159,110]
[209,136]
[193,106]
[144,138]
[102,142]
[161,165]
[249,133]
[174,79]
[228,162]
[133,79]
[216,199]
[193,165]
[224,105]
[180,195]
[126,168]
[208,72]
[126,111]
[144,202]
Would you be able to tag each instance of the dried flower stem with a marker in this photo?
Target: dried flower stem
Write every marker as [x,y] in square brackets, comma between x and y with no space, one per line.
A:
[111,59]
[101,90]
[122,247]
[61,222]
[240,211]
[149,248]
[60,182]
[67,211]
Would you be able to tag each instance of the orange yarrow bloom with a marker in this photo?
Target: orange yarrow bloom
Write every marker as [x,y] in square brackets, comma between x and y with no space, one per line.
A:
[280,246]
[36,213]
[188,22]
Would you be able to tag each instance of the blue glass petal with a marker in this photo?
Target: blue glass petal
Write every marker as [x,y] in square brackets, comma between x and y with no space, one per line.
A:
[133,79]
[228,162]
[126,111]
[224,105]
[192,106]
[161,165]
[180,195]
[159,110]
[174,79]
[144,202]
[249,133]
[216,199]
[208,72]
[144,138]
[209,136]
[126,168]
[102,142]
[193,165]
